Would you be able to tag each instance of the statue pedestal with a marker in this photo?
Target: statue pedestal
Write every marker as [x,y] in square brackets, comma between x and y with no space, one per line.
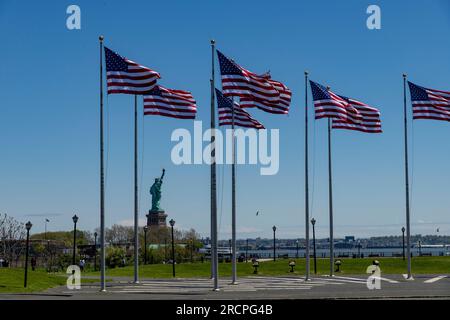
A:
[156,218]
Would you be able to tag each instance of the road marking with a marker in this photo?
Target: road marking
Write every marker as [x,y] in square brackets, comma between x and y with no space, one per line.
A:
[386,279]
[346,280]
[249,284]
[434,279]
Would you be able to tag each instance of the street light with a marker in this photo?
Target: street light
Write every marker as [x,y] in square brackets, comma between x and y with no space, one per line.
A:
[172,223]
[165,247]
[274,247]
[192,250]
[28,226]
[45,234]
[359,249]
[403,240]
[296,254]
[246,252]
[145,244]
[95,251]
[313,222]
[75,220]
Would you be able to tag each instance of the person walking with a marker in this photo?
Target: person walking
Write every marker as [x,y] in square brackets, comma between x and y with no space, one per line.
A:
[33,263]
[81,264]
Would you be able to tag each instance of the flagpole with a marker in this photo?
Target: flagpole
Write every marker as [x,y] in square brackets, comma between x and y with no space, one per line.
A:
[233,199]
[306,180]
[330,199]
[214,235]
[408,233]
[136,213]
[102,177]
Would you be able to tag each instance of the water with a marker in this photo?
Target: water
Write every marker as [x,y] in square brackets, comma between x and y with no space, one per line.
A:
[324,253]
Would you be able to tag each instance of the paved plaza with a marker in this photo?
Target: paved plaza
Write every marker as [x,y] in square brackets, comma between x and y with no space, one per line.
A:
[256,287]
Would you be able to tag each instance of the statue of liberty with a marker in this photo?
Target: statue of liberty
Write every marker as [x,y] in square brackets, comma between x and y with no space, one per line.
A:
[155,191]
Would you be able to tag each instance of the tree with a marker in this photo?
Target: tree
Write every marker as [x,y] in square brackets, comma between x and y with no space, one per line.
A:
[118,234]
[66,237]
[12,234]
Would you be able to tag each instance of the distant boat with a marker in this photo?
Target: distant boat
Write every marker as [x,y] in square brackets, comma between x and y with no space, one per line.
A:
[221,251]
[435,246]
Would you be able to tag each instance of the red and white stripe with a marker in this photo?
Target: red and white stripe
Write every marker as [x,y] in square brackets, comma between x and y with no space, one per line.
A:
[240,82]
[136,80]
[170,103]
[436,107]
[241,118]
[279,107]
[249,84]
[335,107]
[367,119]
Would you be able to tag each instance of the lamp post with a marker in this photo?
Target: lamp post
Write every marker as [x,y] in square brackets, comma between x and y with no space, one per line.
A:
[165,248]
[50,256]
[4,246]
[172,223]
[145,244]
[274,244]
[246,252]
[45,234]
[296,253]
[75,220]
[313,222]
[359,249]
[95,251]
[403,241]
[28,226]
[192,250]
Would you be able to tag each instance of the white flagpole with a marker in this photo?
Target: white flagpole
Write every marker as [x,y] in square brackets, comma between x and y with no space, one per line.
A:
[306,180]
[408,226]
[233,199]
[102,177]
[330,198]
[330,195]
[136,213]
[214,233]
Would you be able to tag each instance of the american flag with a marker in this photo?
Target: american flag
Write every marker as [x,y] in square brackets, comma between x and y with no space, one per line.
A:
[330,105]
[258,90]
[241,117]
[370,122]
[279,107]
[126,76]
[429,103]
[170,103]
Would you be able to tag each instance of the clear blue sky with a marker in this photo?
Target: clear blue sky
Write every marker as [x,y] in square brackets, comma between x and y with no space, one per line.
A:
[50,112]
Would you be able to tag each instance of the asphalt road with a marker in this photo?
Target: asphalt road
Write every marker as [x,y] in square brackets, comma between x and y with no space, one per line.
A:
[286,287]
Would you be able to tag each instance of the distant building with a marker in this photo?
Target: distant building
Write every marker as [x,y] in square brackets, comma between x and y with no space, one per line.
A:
[349,239]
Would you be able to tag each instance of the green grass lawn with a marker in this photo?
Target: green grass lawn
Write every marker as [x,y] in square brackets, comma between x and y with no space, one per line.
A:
[12,280]
[420,265]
